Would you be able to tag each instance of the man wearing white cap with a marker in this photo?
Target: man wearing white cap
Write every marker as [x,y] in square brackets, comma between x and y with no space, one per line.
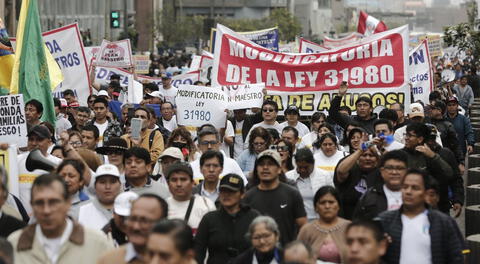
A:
[168,157]
[415,114]
[98,212]
[116,228]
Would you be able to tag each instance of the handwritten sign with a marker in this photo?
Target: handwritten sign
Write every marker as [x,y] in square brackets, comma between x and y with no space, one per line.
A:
[13,125]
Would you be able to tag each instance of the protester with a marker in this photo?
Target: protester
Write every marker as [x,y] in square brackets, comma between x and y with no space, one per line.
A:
[462,125]
[419,234]
[6,251]
[221,232]
[137,173]
[168,119]
[260,140]
[366,242]
[90,137]
[145,211]
[171,241]
[269,114]
[275,198]
[209,139]
[8,223]
[326,235]
[167,158]
[308,179]
[39,137]
[61,122]
[286,151]
[242,123]
[211,165]
[98,211]
[327,159]
[464,93]
[33,113]
[183,204]
[298,252]
[55,238]
[116,228]
[264,235]
[290,135]
[115,150]
[317,119]
[384,137]
[292,114]
[182,139]
[384,196]
[72,172]
[107,127]
[151,140]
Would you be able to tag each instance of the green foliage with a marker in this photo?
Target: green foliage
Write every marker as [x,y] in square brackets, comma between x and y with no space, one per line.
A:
[464,36]
[132,34]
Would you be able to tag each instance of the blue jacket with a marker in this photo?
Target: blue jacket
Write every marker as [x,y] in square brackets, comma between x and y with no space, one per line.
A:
[464,130]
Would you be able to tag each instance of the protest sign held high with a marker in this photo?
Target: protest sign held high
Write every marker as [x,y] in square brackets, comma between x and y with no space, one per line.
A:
[420,72]
[244,96]
[198,105]
[267,38]
[332,43]
[186,78]
[115,54]
[307,46]
[142,63]
[376,65]
[13,125]
[102,75]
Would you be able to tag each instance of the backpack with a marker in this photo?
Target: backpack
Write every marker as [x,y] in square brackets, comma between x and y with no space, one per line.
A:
[165,134]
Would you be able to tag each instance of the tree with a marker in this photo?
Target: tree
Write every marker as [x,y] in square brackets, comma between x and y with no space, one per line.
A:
[464,36]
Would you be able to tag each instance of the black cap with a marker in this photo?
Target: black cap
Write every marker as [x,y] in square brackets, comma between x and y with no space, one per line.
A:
[180,166]
[40,131]
[115,76]
[232,182]
[292,109]
[432,131]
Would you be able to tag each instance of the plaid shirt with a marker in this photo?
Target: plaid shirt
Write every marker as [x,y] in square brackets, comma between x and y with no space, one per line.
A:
[114,129]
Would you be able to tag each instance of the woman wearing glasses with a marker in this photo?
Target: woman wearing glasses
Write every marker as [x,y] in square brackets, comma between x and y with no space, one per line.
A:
[264,236]
[259,141]
[285,149]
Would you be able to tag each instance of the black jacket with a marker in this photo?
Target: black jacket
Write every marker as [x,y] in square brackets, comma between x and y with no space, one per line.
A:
[223,235]
[9,224]
[446,240]
[247,257]
[372,203]
[448,134]
[344,121]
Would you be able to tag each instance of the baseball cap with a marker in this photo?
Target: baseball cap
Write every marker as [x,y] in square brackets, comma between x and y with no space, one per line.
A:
[432,131]
[107,169]
[416,109]
[172,152]
[40,131]
[292,109]
[157,94]
[452,99]
[166,75]
[232,182]
[180,166]
[271,154]
[103,93]
[123,203]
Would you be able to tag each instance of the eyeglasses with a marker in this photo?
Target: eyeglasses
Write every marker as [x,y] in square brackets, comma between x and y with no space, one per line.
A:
[143,221]
[268,110]
[213,142]
[394,168]
[282,148]
[258,144]
[262,236]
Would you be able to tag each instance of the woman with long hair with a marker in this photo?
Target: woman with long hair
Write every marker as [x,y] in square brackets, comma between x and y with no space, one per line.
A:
[182,139]
[259,141]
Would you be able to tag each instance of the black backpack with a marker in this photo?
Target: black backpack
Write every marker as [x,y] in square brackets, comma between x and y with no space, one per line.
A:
[165,133]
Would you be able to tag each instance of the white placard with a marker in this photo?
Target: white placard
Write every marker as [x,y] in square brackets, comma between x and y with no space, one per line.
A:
[199,105]
[13,125]
[244,96]
[115,54]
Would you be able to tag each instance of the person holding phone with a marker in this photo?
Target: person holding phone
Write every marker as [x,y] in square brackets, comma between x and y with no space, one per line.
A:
[141,135]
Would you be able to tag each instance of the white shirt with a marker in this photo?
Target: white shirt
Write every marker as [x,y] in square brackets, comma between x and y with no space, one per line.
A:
[89,216]
[52,246]
[101,130]
[328,163]
[169,94]
[201,206]
[394,199]
[26,178]
[229,132]
[170,125]
[229,166]
[415,242]
[301,128]
[394,146]
[308,140]
[238,145]
[275,126]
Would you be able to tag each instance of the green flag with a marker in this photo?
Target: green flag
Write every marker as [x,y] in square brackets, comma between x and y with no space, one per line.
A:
[33,69]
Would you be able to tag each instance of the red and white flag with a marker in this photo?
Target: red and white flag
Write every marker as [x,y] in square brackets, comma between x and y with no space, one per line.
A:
[368,25]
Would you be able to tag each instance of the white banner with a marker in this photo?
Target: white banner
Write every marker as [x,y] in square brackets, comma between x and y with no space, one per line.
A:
[148,79]
[66,46]
[142,63]
[307,46]
[186,78]
[13,125]
[199,105]
[206,63]
[90,53]
[244,96]
[115,54]
[420,72]
[102,75]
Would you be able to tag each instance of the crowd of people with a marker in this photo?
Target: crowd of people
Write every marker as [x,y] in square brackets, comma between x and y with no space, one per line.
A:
[348,188]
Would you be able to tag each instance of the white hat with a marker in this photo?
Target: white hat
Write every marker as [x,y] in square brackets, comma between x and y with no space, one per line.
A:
[157,94]
[172,152]
[103,93]
[107,169]
[416,109]
[123,203]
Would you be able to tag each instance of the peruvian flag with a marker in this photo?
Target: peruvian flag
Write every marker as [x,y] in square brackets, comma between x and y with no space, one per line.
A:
[368,25]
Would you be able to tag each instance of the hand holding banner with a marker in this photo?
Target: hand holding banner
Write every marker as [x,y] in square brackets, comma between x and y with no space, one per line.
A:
[115,54]
[198,105]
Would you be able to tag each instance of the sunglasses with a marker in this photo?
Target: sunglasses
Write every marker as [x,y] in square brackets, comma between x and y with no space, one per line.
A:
[213,142]
[268,110]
